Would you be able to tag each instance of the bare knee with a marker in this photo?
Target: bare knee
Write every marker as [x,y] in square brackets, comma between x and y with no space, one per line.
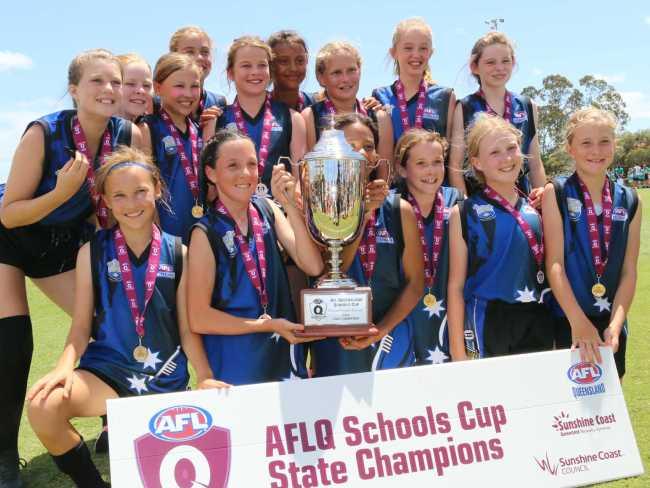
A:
[48,414]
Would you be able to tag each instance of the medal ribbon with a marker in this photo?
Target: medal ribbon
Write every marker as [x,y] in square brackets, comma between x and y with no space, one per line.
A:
[127,274]
[265,140]
[329,106]
[368,248]
[258,279]
[537,248]
[191,170]
[507,104]
[592,225]
[403,110]
[430,260]
[81,143]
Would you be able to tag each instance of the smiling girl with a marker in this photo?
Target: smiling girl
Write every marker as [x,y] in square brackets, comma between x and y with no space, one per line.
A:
[496,271]
[48,209]
[137,88]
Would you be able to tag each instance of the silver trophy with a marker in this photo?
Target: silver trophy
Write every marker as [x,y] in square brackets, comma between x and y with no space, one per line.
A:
[333,181]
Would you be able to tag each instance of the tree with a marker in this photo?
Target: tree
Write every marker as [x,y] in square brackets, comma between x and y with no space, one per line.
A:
[557,99]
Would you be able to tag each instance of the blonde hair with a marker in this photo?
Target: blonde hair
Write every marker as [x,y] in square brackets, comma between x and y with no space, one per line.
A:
[414,23]
[247,41]
[415,136]
[489,39]
[332,49]
[588,115]
[186,31]
[129,58]
[78,63]
[171,62]
[484,125]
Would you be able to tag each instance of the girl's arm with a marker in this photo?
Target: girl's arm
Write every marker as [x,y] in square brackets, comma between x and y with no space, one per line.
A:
[205,319]
[413,266]
[536,166]
[627,283]
[457,150]
[450,115]
[308,116]
[79,334]
[298,142]
[145,139]
[191,342]
[455,286]
[583,333]
[19,208]
[136,138]
[385,146]
[291,230]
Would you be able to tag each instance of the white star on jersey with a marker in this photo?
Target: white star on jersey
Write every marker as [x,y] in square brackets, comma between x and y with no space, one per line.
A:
[138,384]
[526,295]
[602,304]
[436,356]
[275,336]
[152,360]
[435,309]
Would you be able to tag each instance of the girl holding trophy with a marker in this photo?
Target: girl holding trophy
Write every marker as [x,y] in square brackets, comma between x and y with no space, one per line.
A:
[593,284]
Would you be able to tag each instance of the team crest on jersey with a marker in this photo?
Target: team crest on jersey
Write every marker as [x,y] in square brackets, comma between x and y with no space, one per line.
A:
[113,270]
[484,212]
[166,271]
[519,117]
[431,113]
[170,145]
[383,237]
[229,241]
[575,208]
[619,214]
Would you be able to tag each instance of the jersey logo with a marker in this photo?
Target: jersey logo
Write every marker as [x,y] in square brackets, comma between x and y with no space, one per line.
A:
[484,212]
[166,271]
[229,241]
[519,117]
[275,127]
[619,214]
[431,113]
[575,208]
[170,145]
[383,237]
[113,270]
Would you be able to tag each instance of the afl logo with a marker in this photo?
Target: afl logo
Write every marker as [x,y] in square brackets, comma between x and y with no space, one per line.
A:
[180,423]
[585,373]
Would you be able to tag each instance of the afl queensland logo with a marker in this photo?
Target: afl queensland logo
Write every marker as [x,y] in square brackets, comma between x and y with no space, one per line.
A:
[585,373]
[619,214]
[113,270]
[484,212]
[170,145]
[184,448]
[575,208]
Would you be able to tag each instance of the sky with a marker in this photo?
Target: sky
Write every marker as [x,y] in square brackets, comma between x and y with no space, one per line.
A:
[569,37]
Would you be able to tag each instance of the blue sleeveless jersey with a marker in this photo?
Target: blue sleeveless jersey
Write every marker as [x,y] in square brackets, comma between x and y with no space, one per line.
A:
[521,118]
[436,108]
[113,330]
[387,282]
[57,129]
[308,99]
[258,357]
[429,325]
[578,261]
[281,130]
[177,219]
[211,99]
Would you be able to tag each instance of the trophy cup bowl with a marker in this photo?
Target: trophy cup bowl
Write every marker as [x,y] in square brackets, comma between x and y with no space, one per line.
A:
[333,180]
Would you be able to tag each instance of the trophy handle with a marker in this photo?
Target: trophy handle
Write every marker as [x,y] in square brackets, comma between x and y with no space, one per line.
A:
[389,167]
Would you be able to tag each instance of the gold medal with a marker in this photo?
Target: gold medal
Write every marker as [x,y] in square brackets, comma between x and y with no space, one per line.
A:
[140,354]
[429,300]
[598,290]
[197,211]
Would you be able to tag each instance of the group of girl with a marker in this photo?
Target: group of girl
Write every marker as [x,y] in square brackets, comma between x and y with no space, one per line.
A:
[102,201]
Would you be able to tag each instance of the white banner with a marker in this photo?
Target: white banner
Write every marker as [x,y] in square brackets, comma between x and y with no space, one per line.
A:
[541,419]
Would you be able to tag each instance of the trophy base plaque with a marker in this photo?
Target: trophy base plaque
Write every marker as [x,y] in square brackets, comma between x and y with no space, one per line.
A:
[336,312]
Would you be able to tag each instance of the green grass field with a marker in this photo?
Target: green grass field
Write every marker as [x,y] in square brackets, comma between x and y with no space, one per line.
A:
[50,328]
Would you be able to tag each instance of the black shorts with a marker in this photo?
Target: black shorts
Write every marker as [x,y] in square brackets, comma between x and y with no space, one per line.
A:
[41,251]
[563,338]
[516,328]
[117,387]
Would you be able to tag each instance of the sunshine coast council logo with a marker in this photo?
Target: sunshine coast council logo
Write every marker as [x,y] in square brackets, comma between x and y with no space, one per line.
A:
[546,465]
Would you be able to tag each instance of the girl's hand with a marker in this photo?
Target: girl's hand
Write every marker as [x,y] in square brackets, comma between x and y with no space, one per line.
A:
[611,338]
[376,193]
[210,115]
[287,330]
[584,336]
[211,384]
[283,186]
[535,197]
[371,103]
[71,176]
[57,377]
[361,342]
